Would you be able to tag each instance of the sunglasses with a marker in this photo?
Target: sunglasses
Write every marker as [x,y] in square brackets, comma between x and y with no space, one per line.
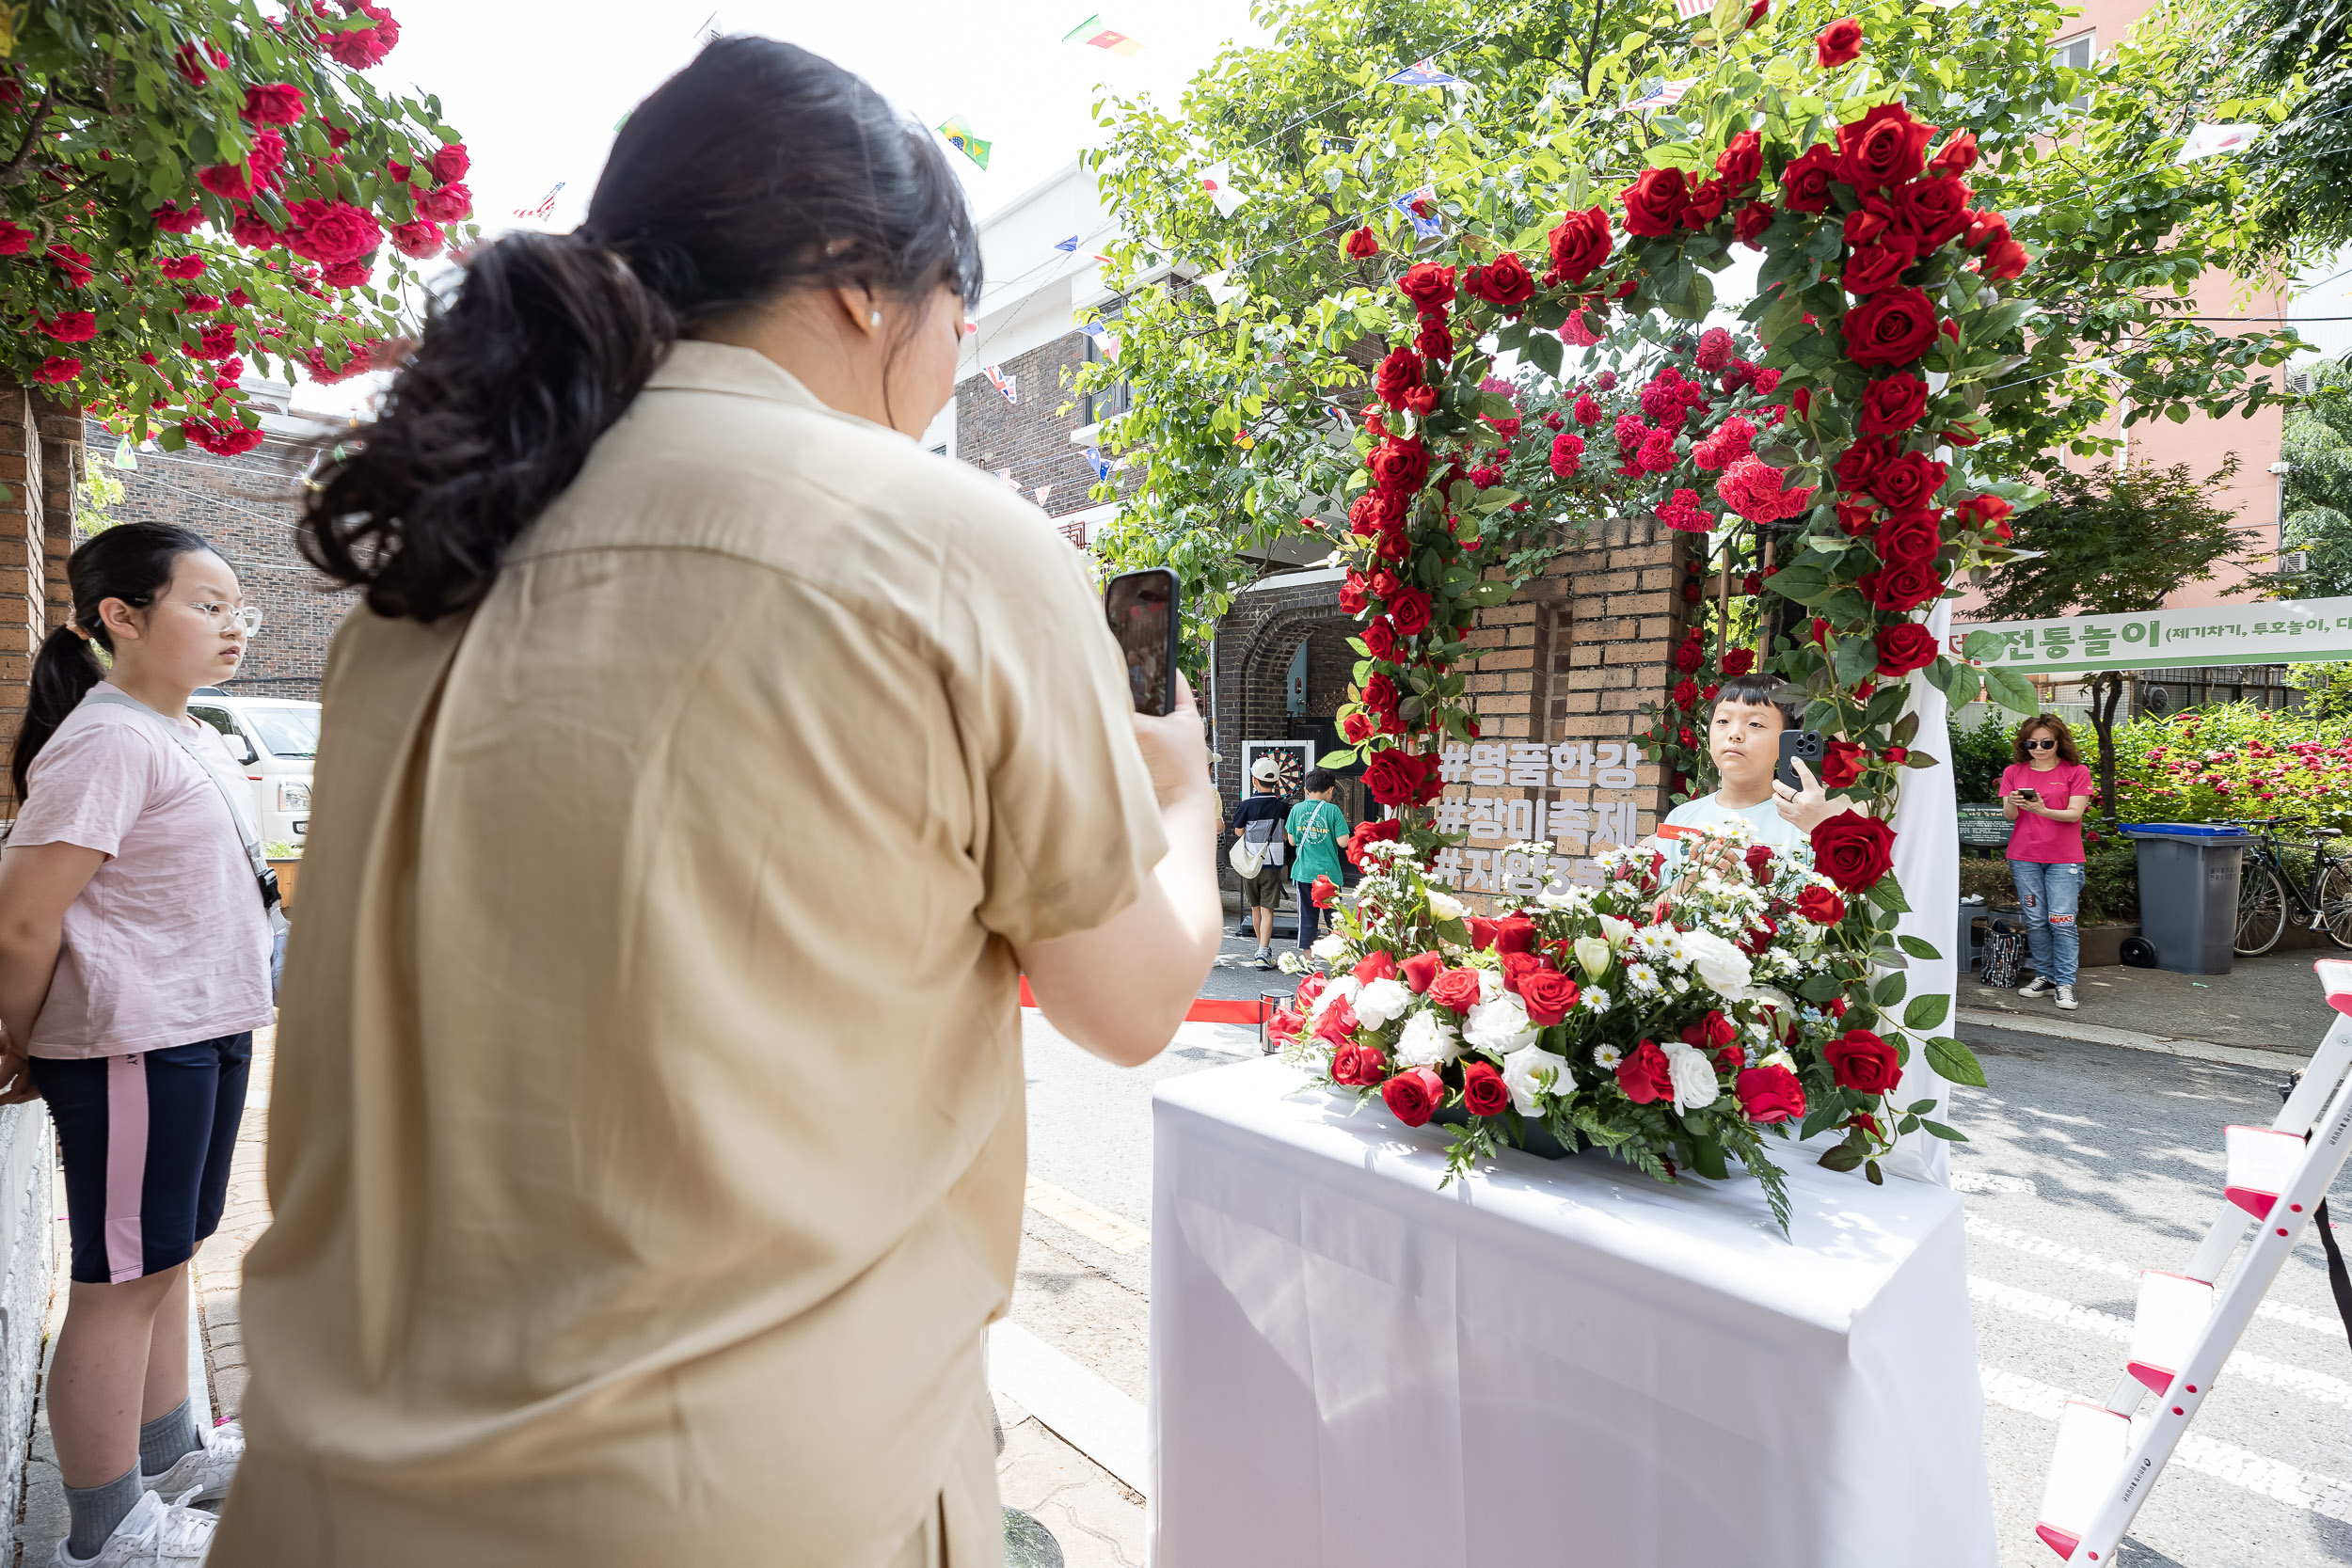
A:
[2042,744]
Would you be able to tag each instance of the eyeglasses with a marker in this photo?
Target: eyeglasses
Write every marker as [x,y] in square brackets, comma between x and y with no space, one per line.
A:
[2041,743]
[244,618]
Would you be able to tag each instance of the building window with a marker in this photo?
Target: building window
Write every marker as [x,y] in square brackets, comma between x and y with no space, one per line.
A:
[1110,401]
[2075,54]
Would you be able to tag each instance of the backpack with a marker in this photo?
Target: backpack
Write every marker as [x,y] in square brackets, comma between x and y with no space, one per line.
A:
[2003,953]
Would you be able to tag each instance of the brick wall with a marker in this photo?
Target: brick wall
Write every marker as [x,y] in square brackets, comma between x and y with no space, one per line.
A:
[245,505]
[1254,645]
[1031,437]
[40,458]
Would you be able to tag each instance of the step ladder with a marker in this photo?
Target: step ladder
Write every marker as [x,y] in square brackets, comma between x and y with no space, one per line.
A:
[2185,1328]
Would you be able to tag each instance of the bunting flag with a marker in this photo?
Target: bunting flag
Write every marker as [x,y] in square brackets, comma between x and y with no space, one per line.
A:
[1220,290]
[1686,9]
[1666,97]
[1003,477]
[1002,382]
[1101,339]
[1101,465]
[959,133]
[1420,74]
[2205,140]
[1219,181]
[1421,209]
[1044,491]
[1068,246]
[545,206]
[1092,31]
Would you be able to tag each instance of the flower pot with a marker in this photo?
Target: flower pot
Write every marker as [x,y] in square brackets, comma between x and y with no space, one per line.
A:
[1535,1137]
[286,871]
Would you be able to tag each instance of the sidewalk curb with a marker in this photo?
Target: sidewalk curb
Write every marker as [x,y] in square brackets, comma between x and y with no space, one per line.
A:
[2099,1034]
[1080,1408]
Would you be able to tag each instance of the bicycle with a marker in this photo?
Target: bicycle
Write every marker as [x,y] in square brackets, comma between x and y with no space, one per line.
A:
[2265,887]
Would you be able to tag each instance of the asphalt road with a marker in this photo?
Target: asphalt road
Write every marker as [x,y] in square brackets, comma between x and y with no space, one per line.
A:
[2088,1164]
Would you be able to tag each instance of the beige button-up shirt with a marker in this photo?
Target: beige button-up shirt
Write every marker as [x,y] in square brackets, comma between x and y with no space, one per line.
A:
[647,1141]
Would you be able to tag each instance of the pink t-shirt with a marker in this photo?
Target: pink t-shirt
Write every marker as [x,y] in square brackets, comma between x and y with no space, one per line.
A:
[167,945]
[2038,838]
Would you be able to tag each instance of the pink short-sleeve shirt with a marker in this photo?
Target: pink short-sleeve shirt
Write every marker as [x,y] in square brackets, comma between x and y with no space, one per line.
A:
[167,945]
[2038,838]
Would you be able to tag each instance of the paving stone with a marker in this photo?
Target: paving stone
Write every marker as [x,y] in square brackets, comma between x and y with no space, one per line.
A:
[1097,1522]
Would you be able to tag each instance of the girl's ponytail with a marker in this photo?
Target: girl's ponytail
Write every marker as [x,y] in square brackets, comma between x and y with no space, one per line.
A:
[63,673]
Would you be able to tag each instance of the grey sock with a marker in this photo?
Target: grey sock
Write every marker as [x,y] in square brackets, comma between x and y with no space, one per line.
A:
[97,1510]
[163,1440]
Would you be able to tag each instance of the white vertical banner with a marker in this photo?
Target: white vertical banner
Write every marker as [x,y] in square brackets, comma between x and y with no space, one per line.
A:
[1927,863]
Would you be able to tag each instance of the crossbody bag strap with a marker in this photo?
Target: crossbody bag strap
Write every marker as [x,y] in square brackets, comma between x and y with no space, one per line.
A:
[245,836]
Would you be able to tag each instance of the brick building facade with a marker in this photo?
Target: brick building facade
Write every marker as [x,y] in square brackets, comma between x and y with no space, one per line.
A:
[1032,438]
[41,463]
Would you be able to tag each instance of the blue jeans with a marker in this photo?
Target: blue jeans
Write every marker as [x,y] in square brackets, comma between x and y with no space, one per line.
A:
[2051,892]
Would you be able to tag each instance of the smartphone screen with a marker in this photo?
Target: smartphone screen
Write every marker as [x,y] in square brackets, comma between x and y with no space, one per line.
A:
[1142,611]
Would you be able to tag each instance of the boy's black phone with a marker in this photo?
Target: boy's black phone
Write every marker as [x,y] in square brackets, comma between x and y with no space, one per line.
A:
[1793,745]
[1141,607]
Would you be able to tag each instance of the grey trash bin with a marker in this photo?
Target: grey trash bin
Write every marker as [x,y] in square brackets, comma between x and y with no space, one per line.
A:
[2188,873]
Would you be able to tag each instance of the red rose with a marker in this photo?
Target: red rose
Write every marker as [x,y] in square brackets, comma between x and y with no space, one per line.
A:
[1325,893]
[232,181]
[1885,147]
[1933,211]
[1879,265]
[1354,588]
[1515,934]
[1435,340]
[332,231]
[1547,995]
[1644,1076]
[1384,584]
[1956,156]
[1741,162]
[1356,729]
[1360,245]
[1378,966]
[1421,971]
[1705,205]
[1654,202]
[1358,1066]
[63,367]
[1397,374]
[1385,831]
[1750,222]
[1393,778]
[1399,464]
[1414,1095]
[1409,609]
[1859,1059]
[2003,259]
[1908,480]
[1805,182]
[1861,464]
[1379,694]
[1504,281]
[1769,1094]
[1840,43]
[69,327]
[1380,640]
[1456,990]
[1900,585]
[1429,286]
[1739,661]
[1759,860]
[1866,223]
[1893,404]
[1984,228]
[1338,1024]
[1854,851]
[1688,657]
[419,239]
[347,275]
[362,47]
[1893,327]
[1284,1027]
[1821,905]
[1841,764]
[1910,537]
[1980,511]
[276,103]
[1904,648]
[1484,1092]
[450,163]
[1579,243]
[447,204]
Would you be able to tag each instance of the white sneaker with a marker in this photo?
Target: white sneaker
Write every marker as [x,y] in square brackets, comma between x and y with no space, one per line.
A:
[2066,999]
[154,1534]
[203,1474]
[2038,985]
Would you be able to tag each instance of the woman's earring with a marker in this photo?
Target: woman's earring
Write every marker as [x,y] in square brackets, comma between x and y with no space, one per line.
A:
[875,319]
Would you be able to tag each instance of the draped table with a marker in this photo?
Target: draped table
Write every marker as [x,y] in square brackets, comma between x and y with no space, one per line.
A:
[1546,1362]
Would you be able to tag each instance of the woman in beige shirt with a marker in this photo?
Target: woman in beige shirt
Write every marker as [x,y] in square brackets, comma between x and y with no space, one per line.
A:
[646,1145]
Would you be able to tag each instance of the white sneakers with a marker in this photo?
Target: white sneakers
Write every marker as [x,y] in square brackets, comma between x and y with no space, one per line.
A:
[2066,999]
[154,1534]
[203,1474]
[2040,985]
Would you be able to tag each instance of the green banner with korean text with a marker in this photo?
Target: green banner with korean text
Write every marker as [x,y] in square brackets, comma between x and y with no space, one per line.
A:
[2276,631]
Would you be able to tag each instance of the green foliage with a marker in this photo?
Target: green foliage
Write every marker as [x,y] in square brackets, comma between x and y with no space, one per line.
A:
[2110,893]
[2327,689]
[2114,543]
[2299,177]
[1979,753]
[2316,446]
[2233,761]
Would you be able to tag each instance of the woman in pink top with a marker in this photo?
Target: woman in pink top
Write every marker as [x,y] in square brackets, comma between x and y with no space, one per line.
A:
[2044,792]
[134,965]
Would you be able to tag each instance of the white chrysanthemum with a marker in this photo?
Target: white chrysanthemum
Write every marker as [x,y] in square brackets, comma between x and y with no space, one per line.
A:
[1692,1075]
[1654,941]
[1595,1002]
[1521,1070]
[1427,1039]
[1380,1000]
[1592,956]
[1489,984]
[1346,986]
[1444,906]
[1724,967]
[1499,1025]
[1642,977]
[1330,947]
[1606,1057]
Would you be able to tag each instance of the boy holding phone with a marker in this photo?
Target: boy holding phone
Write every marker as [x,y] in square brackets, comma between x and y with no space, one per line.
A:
[1743,732]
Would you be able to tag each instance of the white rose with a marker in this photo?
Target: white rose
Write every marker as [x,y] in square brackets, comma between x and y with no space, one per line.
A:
[1772,998]
[1499,1025]
[1343,988]
[1592,956]
[1724,967]
[1489,984]
[1692,1073]
[1380,1000]
[1522,1068]
[1330,947]
[1444,906]
[1428,1040]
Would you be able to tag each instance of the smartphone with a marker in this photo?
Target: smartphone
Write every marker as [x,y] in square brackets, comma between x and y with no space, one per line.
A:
[1793,745]
[2033,795]
[1141,607]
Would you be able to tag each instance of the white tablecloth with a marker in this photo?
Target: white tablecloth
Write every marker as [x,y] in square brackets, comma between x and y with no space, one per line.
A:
[1552,1362]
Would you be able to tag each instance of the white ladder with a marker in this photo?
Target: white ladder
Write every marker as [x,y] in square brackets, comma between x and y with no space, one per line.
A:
[2185,1329]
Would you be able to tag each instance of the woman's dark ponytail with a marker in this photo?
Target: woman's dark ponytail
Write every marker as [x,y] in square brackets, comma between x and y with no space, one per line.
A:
[131,561]
[758,169]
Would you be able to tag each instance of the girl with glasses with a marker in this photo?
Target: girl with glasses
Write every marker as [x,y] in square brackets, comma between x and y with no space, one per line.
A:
[134,965]
[2044,792]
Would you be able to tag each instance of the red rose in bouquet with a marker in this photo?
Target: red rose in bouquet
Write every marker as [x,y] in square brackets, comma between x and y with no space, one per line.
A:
[1893,404]
[1397,374]
[1547,995]
[1644,1076]
[1456,990]
[1385,831]
[1399,464]
[1409,609]
[2003,259]
[1878,265]
[1503,281]
[1579,243]
[1484,1092]
[1904,648]
[1840,43]
[1284,1026]
[1854,851]
[1706,204]
[1654,202]
[1958,155]
[1758,858]
[1421,971]
[1841,763]
[1309,990]
[1900,585]
[1821,905]
[1910,537]
[1859,1059]
[1712,1033]
[1885,147]
[1414,1095]
[1375,966]
[1429,286]
[1338,1024]
[1984,230]
[1380,694]
[1770,1094]
[1360,245]
[1805,179]
[1393,778]
[1358,1066]
[1356,728]
[1434,340]
[1933,211]
[1512,934]
[1894,326]
[1861,464]
[1741,163]
[1353,594]
[1749,223]
[1325,893]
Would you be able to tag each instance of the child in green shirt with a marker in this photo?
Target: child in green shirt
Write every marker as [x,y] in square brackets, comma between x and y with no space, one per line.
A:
[1317,827]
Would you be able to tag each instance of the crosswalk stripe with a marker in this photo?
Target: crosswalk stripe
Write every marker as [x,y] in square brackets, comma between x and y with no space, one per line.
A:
[2058,1252]
[2316,1493]
[2244,1364]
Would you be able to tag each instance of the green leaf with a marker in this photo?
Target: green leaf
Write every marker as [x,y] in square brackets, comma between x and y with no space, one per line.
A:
[1965,684]
[1918,948]
[1856,657]
[1938,1129]
[1487,594]
[1342,758]
[1925,1012]
[1955,1061]
[2011,691]
[1985,644]
[1888,991]
[1887,894]
[1843,1157]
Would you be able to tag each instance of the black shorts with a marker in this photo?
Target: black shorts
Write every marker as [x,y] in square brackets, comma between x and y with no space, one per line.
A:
[146,1140]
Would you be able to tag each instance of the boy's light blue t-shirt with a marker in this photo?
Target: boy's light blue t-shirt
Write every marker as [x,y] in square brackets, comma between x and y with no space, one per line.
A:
[1765,823]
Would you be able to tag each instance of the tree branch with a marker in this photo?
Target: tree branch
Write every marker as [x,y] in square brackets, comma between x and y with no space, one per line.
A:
[14,172]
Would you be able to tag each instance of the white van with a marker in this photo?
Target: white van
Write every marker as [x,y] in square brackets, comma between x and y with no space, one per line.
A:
[278,740]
